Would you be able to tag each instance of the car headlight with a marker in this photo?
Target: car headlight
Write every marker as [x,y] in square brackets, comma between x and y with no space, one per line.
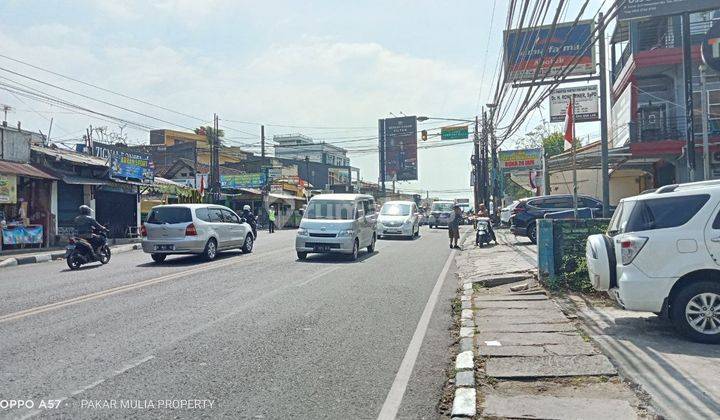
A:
[302,232]
[346,232]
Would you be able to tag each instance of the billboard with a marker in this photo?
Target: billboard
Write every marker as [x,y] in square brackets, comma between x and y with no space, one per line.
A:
[401,149]
[620,118]
[125,163]
[638,9]
[249,180]
[586,103]
[555,50]
[520,160]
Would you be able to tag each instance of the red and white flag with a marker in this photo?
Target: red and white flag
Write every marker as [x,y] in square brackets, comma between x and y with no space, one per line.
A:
[569,126]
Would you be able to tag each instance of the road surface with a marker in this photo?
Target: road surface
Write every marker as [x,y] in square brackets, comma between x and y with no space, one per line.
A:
[245,336]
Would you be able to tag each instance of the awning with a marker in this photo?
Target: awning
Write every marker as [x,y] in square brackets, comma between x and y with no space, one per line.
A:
[251,191]
[285,197]
[81,180]
[23,169]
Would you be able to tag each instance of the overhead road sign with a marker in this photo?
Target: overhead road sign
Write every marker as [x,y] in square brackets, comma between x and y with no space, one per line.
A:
[585,106]
[454,133]
[556,50]
[638,9]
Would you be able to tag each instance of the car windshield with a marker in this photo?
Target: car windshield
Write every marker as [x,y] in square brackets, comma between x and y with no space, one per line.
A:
[169,215]
[330,210]
[395,210]
[442,207]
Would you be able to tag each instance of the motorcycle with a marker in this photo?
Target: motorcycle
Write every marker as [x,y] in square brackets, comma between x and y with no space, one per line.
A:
[482,231]
[78,252]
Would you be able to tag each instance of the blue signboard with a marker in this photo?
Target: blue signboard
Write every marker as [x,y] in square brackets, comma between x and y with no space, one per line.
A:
[250,180]
[555,50]
[125,163]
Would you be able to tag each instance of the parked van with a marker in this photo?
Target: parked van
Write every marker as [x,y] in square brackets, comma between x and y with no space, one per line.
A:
[337,223]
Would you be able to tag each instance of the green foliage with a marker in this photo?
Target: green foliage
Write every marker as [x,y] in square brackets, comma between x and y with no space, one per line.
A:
[553,143]
[512,189]
[208,132]
[574,276]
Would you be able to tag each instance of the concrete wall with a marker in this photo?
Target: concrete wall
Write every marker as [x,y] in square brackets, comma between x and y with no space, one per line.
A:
[14,145]
[623,183]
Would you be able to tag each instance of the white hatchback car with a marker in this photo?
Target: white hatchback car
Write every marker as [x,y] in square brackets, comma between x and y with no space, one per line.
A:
[662,254]
[398,218]
[194,229]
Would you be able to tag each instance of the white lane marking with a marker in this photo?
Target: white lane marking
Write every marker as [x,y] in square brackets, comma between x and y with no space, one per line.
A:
[318,275]
[397,390]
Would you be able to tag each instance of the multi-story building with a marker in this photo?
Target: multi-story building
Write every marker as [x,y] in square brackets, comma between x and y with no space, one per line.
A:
[161,139]
[648,97]
[299,147]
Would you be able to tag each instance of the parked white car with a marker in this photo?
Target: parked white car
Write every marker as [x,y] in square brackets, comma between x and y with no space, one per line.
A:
[337,223]
[202,229]
[506,213]
[398,218]
[662,254]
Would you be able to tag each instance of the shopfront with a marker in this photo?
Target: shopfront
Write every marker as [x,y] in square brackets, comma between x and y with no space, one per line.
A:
[116,207]
[26,219]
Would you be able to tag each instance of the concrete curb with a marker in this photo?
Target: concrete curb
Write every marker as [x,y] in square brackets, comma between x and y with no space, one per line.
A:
[465,398]
[51,256]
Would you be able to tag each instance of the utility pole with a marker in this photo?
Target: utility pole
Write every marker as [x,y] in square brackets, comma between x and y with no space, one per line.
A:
[262,141]
[706,145]
[215,159]
[5,108]
[381,141]
[604,142]
[687,70]
[493,156]
[484,163]
[476,165]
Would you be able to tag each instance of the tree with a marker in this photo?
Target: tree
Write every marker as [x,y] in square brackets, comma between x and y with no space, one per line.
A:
[208,132]
[552,142]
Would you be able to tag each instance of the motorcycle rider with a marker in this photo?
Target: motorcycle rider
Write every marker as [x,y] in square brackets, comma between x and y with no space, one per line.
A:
[482,212]
[250,218]
[85,224]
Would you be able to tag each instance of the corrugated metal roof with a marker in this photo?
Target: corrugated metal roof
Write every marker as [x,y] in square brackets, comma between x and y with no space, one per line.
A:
[70,156]
[24,169]
[81,180]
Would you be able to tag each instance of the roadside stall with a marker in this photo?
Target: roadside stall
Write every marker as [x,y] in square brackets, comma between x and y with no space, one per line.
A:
[166,191]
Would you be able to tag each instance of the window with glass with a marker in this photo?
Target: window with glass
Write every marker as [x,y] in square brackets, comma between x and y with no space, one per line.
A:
[396,210]
[330,210]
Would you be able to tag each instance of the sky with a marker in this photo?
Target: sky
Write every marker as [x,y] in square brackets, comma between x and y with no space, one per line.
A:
[325,69]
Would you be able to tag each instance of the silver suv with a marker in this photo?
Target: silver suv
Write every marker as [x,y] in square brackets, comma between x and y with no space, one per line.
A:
[194,229]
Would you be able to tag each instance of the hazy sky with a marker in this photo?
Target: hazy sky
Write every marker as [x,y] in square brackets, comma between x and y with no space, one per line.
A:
[329,68]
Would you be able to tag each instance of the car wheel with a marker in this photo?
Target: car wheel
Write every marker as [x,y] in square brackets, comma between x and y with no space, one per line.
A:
[210,250]
[301,255]
[371,247]
[247,245]
[354,255]
[696,312]
[158,258]
[417,231]
[532,233]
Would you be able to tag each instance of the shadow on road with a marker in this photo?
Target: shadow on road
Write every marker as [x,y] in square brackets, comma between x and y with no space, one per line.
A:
[187,260]
[336,258]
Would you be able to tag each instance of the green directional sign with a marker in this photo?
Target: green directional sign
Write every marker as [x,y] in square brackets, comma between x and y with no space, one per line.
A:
[454,133]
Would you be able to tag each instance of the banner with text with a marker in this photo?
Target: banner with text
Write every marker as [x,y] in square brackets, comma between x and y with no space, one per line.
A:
[401,149]
[586,103]
[520,160]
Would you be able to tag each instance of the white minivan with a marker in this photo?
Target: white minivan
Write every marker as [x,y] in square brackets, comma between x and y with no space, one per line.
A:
[337,223]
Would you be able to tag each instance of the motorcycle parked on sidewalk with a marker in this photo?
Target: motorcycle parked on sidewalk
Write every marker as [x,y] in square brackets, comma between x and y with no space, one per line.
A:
[79,251]
[482,231]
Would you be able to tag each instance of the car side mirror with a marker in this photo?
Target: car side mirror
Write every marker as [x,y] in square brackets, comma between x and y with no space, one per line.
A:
[243,220]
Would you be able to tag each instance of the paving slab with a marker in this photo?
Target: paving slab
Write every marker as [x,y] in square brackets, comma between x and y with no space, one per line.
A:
[483,298]
[526,328]
[509,312]
[498,280]
[546,407]
[489,317]
[507,351]
[530,338]
[548,366]
[571,349]
[515,304]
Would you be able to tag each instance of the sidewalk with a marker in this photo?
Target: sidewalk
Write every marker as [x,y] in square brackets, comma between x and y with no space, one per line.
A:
[520,356]
[32,256]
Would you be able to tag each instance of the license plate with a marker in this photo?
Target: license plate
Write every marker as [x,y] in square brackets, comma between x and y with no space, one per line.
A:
[393,231]
[164,247]
[321,248]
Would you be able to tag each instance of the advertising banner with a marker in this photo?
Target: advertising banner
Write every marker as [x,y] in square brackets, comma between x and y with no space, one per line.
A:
[638,9]
[250,180]
[520,160]
[586,103]
[125,163]
[620,118]
[401,149]
[555,50]
[8,189]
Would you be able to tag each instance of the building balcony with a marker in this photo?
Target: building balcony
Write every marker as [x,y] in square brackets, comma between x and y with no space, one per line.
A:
[669,129]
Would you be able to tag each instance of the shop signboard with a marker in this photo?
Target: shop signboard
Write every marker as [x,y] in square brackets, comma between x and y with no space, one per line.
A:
[401,149]
[556,50]
[638,9]
[520,160]
[274,172]
[249,180]
[22,235]
[125,163]
[586,103]
[8,189]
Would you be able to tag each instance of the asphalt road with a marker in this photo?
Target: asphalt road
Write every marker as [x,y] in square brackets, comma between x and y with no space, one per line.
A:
[260,335]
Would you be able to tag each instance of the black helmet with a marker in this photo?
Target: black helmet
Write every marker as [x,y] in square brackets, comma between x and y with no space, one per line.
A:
[85,210]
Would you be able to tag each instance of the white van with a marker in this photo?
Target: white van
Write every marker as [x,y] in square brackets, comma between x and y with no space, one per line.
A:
[337,223]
